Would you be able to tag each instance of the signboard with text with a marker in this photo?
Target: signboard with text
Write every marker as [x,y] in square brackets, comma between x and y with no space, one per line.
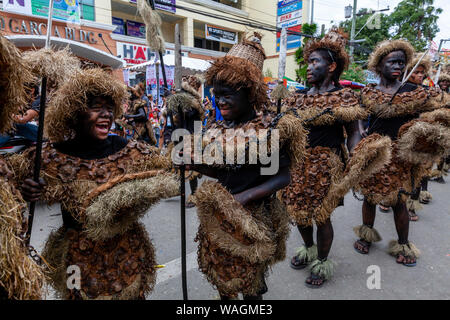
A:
[219,34]
[169,5]
[135,29]
[289,16]
[65,10]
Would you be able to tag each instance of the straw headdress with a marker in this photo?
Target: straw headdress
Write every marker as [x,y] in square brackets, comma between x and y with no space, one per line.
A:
[425,63]
[385,47]
[334,41]
[242,68]
[72,98]
[444,77]
[13,75]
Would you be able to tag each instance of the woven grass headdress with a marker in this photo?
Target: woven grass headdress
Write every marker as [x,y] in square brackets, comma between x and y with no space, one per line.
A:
[425,63]
[242,68]
[334,41]
[72,98]
[13,75]
[444,77]
[385,47]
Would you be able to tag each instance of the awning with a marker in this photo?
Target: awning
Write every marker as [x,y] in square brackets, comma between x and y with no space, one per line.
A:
[189,64]
[79,49]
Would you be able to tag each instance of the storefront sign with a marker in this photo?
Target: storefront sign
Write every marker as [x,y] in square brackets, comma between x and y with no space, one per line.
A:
[30,27]
[133,53]
[290,8]
[120,23]
[169,5]
[285,3]
[219,34]
[135,29]
[65,10]
[289,16]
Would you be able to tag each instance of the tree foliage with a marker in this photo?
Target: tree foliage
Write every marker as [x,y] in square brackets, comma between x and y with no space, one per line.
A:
[310,29]
[415,20]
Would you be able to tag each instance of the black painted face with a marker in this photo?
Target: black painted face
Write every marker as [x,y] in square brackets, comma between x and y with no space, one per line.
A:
[444,85]
[233,104]
[392,65]
[318,68]
[97,120]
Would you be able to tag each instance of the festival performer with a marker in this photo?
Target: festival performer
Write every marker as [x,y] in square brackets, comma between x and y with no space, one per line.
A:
[443,164]
[392,109]
[185,106]
[20,276]
[319,184]
[243,227]
[138,119]
[421,194]
[104,184]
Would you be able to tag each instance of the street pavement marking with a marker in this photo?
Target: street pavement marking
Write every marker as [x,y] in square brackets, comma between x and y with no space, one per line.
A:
[173,268]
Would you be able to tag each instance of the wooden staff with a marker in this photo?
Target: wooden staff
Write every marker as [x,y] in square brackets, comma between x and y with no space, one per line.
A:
[40,135]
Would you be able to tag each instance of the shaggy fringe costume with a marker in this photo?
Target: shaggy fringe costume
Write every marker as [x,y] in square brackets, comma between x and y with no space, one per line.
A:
[72,99]
[418,141]
[57,65]
[20,277]
[101,201]
[141,129]
[13,76]
[236,244]
[415,143]
[319,183]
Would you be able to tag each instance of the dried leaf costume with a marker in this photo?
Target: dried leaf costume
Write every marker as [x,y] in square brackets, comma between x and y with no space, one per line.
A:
[20,276]
[101,199]
[237,244]
[319,184]
[414,141]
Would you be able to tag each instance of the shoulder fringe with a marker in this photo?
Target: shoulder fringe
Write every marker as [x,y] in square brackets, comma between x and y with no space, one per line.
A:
[344,104]
[370,156]
[409,249]
[114,207]
[407,103]
[441,116]
[185,100]
[324,269]
[421,141]
[367,234]
[293,136]
[280,92]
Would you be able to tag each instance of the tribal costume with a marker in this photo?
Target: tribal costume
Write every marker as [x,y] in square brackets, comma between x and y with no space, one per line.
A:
[414,142]
[319,184]
[103,189]
[237,244]
[20,276]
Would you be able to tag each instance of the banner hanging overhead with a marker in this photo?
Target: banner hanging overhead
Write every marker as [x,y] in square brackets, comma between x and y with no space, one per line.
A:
[219,34]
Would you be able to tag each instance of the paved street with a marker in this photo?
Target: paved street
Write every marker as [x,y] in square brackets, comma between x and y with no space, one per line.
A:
[428,280]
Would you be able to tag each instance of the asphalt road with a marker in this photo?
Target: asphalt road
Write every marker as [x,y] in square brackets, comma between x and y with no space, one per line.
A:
[428,280]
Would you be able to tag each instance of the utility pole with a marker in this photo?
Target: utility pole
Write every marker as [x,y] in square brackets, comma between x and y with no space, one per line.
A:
[312,11]
[352,35]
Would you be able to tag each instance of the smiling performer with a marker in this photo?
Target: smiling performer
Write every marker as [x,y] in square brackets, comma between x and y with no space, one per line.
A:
[104,184]
[319,184]
[20,276]
[243,227]
[392,109]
